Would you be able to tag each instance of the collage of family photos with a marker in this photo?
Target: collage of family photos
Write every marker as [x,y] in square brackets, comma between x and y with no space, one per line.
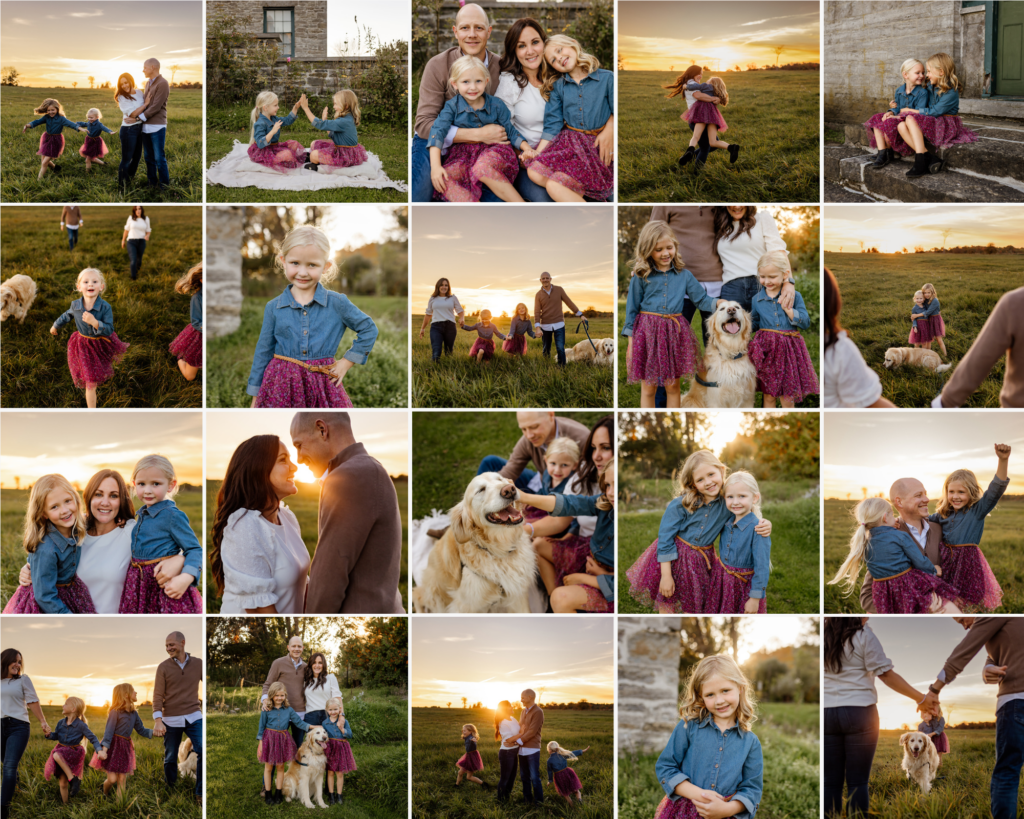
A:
[427,409]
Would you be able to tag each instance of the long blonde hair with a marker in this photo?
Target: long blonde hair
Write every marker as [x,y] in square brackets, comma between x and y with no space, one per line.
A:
[308,235]
[929,286]
[36,522]
[652,233]
[949,78]
[970,482]
[526,312]
[869,514]
[472,730]
[49,102]
[909,63]
[555,748]
[691,706]
[719,85]
[121,699]
[748,481]
[588,62]
[685,488]
[262,99]
[191,282]
[346,102]
[156,462]
[79,713]
[275,688]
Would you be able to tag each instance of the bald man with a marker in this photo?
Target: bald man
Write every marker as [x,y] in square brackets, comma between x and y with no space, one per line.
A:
[531,726]
[153,116]
[177,709]
[358,557]
[539,429]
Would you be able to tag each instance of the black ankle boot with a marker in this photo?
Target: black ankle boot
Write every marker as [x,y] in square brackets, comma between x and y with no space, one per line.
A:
[74,786]
[687,156]
[883,157]
[734,152]
[312,166]
[934,163]
[268,796]
[920,166]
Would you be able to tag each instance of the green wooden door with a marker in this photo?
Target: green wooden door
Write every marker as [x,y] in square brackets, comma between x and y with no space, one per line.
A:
[1009,69]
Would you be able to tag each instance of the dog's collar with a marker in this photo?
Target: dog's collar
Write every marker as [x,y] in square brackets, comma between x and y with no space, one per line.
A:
[738,355]
[703,383]
[304,764]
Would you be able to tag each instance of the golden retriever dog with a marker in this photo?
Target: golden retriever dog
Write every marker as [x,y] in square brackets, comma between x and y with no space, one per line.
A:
[305,775]
[485,561]
[731,377]
[187,759]
[920,759]
[16,296]
[914,357]
[584,351]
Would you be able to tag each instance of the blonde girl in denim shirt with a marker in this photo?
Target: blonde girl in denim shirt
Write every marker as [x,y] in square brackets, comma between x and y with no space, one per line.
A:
[51,143]
[264,148]
[740,578]
[882,127]
[94,148]
[342,149]
[294,365]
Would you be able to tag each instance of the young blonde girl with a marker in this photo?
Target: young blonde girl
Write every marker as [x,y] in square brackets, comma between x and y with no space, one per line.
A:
[934,727]
[118,756]
[521,327]
[560,461]
[882,127]
[294,365]
[567,160]
[471,761]
[717,702]
[53,523]
[483,347]
[917,319]
[94,148]
[51,143]
[264,133]
[741,573]
[161,530]
[187,347]
[564,778]
[342,150]
[94,347]
[961,514]
[704,114]
[339,753]
[929,325]
[67,757]
[276,746]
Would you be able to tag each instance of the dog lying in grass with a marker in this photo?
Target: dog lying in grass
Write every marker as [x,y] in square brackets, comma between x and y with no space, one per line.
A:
[914,357]
[16,297]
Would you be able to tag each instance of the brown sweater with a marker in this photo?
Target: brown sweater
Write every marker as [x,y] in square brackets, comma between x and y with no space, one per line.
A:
[435,90]
[176,689]
[531,723]
[547,307]
[154,106]
[282,670]
[1003,333]
[525,452]
[71,216]
[1003,637]
[358,555]
[931,551]
[694,227]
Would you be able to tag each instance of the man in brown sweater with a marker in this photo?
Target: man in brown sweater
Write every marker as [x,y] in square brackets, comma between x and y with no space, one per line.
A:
[1003,333]
[531,724]
[357,563]
[177,707]
[153,115]
[71,220]
[539,429]
[547,315]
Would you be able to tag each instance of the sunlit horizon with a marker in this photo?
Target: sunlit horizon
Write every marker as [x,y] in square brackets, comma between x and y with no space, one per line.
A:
[845,227]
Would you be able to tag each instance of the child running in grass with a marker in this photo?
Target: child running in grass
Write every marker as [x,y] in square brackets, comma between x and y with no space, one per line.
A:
[339,753]
[51,143]
[521,327]
[276,747]
[483,347]
[118,756]
[94,148]
[744,556]
[882,127]
[564,778]
[342,149]
[703,114]
[471,761]
[67,758]
[265,128]
[187,347]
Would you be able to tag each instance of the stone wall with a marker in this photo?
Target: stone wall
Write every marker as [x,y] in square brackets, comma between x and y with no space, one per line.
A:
[247,16]
[222,270]
[323,77]
[648,696]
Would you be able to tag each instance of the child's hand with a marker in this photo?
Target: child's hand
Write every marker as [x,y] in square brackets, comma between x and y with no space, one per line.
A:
[53,331]
[24,129]
[339,369]
[91,320]
[764,527]
[25,577]
[326,113]
[439,179]
[102,753]
[629,350]
[667,588]
[789,312]
[938,571]
[84,130]
[276,127]
[750,607]
[594,568]
[1003,452]
[176,588]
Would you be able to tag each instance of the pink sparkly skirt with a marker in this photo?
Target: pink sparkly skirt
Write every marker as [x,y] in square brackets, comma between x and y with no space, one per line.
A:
[570,555]
[471,762]
[276,747]
[339,756]
[92,359]
[941,743]
[188,346]
[73,755]
[691,571]
[597,604]
[706,112]
[289,385]
[965,568]
[784,366]
[515,345]
[682,808]
[732,587]
[74,595]
[567,783]
[339,156]
[469,163]
[887,127]
[923,334]
[143,595]
[573,161]
[120,757]
[94,148]
[939,131]
[910,593]
[279,156]
[485,344]
[936,325]
[664,349]
[51,145]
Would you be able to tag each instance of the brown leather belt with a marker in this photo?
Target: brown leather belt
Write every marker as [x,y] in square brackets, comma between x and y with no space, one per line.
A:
[673,316]
[323,369]
[593,132]
[702,551]
[892,577]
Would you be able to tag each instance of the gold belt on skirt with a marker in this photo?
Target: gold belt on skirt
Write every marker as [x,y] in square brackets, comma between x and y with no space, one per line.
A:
[701,550]
[781,332]
[959,545]
[97,338]
[746,575]
[892,577]
[673,316]
[323,369]
[593,132]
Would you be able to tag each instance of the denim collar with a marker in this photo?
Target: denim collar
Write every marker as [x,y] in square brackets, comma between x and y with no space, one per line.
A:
[708,722]
[568,78]
[319,296]
[462,106]
[762,295]
[58,538]
[745,522]
[80,303]
[655,269]
[156,508]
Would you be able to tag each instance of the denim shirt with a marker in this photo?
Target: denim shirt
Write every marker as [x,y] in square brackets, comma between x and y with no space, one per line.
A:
[890,551]
[334,732]
[72,734]
[936,725]
[309,332]
[767,314]
[458,113]
[341,130]
[101,311]
[931,308]
[703,87]
[916,99]
[54,561]
[941,104]
[700,528]
[546,482]
[95,128]
[195,311]
[263,126]
[585,105]
[664,292]
[122,723]
[278,719]
[521,328]
[162,530]
[557,762]
[470,743]
[918,310]
[743,548]
[54,125]
[730,764]
[968,525]
[602,542]
[484,332]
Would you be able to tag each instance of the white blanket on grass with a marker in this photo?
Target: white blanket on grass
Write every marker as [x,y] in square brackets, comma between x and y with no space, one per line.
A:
[236,170]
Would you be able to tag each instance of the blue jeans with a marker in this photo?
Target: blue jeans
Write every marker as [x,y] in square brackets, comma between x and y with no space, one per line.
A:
[72,237]
[420,188]
[442,338]
[559,337]
[508,762]
[156,159]
[528,189]
[1009,759]
[136,249]
[741,290]
[851,736]
[529,772]
[172,739]
[494,463]
[14,738]
[131,153]
[314,718]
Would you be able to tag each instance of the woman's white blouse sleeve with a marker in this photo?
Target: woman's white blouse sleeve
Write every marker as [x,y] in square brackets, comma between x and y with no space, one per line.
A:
[770,231]
[248,554]
[128,224]
[875,660]
[508,90]
[149,229]
[856,384]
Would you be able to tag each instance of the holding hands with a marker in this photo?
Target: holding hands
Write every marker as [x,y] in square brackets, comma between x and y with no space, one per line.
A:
[158,728]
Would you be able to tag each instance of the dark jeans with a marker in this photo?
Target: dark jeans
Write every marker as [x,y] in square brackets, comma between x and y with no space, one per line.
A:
[315,717]
[703,145]
[14,738]
[72,237]
[508,762]
[156,159]
[529,772]
[172,739]
[131,153]
[741,290]
[559,337]
[494,463]
[136,249]
[1009,759]
[851,736]
[442,337]
[420,189]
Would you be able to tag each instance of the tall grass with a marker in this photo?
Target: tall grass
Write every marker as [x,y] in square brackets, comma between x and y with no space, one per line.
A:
[20,167]
[773,115]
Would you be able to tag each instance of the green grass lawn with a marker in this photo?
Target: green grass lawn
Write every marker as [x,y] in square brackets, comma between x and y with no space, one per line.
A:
[436,745]
[509,381]
[772,115]
[381,382]
[184,148]
[790,744]
[1001,544]
[968,287]
[377,790]
[148,314]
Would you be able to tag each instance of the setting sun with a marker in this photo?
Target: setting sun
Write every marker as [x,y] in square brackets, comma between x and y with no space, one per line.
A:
[725,426]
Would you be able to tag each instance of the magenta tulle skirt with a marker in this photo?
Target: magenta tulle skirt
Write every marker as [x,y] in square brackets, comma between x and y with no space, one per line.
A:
[706,112]
[73,755]
[936,325]
[188,346]
[94,148]
[91,360]
[784,366]
[691,571]
[277,747]
[572,160]
[120,757]
[143,595]
[288,385]
[732,591]
[887,127]
[339,156]
[664,349]
[911,593]
[468,164]
[471,761]
[74,595]
[515,345]
[966,570]
[532,513]
[567,783]
[941,743]
[682,808]
[51,145]
[939,131]
[597,603]
[923,333]
[279,156]
[485,344]
[570,555]
[339,756]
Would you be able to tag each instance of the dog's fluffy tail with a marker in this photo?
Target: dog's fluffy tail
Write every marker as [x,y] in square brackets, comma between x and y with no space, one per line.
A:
[943,367]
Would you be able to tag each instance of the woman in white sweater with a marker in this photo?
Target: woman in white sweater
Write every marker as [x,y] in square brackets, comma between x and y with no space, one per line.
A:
[128,99]
[319,687]
[137,231]
[743,234]
[506,731]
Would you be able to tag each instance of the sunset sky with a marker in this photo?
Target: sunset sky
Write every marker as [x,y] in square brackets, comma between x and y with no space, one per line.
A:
[891,229]
[768,633]
[87,656]
[495,269]
[57,43]
[490,659]
[663,35]
[873,449]
[41,443]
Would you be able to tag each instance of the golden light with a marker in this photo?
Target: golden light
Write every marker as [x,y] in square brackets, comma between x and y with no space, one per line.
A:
[725,426]
[305,475]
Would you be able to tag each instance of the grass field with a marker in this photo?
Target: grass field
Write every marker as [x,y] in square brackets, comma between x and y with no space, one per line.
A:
[1001,544]
[968,287]
[12,518]
[305,505]
[789,742]
[377,790]
[224,126]
[148,314]
[509,381]
[382,382]
[436,746]
[184,148]
[146,792]
[773,115]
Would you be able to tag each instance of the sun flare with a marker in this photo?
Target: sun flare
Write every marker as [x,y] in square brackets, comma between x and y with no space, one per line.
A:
[725,426]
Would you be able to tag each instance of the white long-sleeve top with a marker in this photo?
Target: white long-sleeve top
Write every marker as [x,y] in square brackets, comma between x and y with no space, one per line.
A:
[130,104]
[740,256]
[526,106]
[316,698]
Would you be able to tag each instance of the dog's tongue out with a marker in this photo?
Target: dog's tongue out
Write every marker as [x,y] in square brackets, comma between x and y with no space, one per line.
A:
[506,513]
[732,326]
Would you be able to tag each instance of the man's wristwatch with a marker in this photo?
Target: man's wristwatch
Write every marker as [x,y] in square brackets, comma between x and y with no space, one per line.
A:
[934,690]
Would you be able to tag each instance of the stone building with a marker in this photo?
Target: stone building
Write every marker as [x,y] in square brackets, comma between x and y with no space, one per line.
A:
[222,270]
[648,696]
[299,26]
